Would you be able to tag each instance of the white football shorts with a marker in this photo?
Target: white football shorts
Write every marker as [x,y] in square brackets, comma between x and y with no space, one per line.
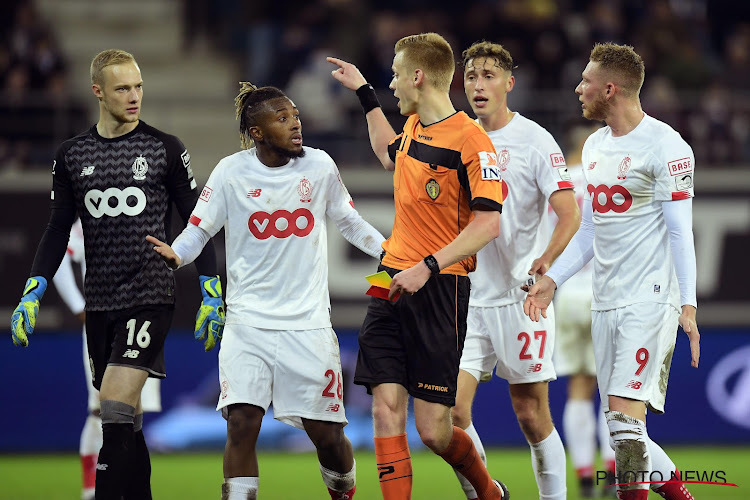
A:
[505,339]
[633,346]
[574,349]
[299,371]
[150,394]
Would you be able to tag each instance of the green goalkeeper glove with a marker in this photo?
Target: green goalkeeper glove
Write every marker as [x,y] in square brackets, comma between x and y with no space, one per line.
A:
[24,317]
[209,322]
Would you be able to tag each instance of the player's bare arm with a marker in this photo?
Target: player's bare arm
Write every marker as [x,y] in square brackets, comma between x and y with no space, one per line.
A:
[689,325]
[563,202]
[380,130]
[484,227]
[165,251]
[539,298]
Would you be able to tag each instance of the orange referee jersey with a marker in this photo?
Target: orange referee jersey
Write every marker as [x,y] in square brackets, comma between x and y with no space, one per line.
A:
[443,171]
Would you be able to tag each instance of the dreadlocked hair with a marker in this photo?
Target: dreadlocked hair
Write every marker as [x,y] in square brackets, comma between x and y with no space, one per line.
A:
[247,104]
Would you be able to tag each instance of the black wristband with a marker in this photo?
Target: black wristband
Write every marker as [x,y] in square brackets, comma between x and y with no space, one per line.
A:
[368,98]
[432,264]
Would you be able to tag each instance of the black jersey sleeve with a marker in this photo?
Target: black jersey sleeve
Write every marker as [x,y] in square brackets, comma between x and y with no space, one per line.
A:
[183,191]
[54,242]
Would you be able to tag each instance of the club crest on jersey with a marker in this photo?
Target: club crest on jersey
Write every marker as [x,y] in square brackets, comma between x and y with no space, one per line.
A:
[433,189]
[140,167]
[503,160]
[304,190]
[623,168]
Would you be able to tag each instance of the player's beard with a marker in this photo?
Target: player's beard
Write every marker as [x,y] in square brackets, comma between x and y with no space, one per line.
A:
[289,153]
[598,109]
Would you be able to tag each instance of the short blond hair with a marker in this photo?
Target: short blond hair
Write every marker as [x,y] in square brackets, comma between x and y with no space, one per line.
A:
[106,58]
[432,54]
[622,64]
[489,50]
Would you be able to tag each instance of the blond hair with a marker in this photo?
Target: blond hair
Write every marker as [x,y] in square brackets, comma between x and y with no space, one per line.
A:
[622,64]
[432,54]
[106,58]
[489,50]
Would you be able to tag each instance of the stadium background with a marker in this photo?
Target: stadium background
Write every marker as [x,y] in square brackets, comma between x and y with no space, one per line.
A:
[192,53]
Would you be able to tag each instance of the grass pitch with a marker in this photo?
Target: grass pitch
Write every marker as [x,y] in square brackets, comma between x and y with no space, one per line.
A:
[285,476]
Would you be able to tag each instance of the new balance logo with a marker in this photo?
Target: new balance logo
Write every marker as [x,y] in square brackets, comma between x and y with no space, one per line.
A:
[634,384]
[535,367]
[253,193]
[101,466]
[131,353]
[87,170]
[384,470]
[334,407]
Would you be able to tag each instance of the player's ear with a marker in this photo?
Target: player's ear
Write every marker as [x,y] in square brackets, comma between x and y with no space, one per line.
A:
[510,84]
[97,90]
[418,77]
[256,134]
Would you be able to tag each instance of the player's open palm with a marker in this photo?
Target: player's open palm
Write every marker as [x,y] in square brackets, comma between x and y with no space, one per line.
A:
[165,251]
[689,325]
[539,298]
[347,74]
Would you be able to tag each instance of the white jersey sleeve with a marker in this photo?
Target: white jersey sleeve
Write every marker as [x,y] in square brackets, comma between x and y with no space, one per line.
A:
[210,212]
[674,173]
[340,208]
[549,166]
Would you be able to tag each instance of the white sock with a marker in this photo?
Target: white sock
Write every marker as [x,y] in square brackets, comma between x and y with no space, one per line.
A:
[239,488]
[91,436]
[631,449]
[661,462]
[580,434]
[605,446]
[337,481]
[548,462]
[469,491]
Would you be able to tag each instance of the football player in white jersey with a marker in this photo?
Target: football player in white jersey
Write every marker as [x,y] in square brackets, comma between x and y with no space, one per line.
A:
[499,336]
[91,435]
[637,226]
[574,352]
[278,347]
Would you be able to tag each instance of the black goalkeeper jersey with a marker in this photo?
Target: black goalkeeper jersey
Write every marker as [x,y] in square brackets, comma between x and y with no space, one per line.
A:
[123,189]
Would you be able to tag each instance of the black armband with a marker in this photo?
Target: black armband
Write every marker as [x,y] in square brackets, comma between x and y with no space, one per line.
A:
[368,98]
[432,264]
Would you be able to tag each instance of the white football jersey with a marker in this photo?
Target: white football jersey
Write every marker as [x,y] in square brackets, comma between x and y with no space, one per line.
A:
[275,231]
[532,167]
[628,178]
[76,249]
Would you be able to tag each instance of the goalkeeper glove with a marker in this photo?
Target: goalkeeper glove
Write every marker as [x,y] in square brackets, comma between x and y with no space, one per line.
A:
[24,317]
[209,322]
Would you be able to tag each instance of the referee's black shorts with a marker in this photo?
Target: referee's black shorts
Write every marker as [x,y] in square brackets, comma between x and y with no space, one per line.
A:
[131,337]
[417,341]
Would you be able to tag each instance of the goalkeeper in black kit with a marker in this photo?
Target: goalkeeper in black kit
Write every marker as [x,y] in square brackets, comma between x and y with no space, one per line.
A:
[122,178]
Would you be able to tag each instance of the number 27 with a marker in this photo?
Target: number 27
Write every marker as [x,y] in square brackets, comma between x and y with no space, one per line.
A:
[523,336]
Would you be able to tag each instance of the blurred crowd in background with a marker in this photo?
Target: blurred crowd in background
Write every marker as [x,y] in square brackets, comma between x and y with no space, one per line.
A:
[697,55]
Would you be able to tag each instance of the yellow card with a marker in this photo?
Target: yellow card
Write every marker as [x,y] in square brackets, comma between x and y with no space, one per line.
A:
[381,279]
